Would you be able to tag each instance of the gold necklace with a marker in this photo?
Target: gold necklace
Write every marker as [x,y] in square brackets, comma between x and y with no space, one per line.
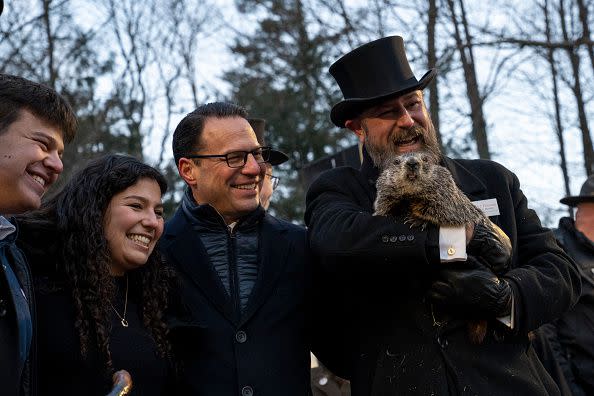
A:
[123,320]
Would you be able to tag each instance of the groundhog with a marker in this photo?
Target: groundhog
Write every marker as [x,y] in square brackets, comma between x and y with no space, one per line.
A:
[416,189]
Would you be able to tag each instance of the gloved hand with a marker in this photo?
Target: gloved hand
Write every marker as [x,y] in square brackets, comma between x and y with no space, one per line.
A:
[472,288]
[491,246]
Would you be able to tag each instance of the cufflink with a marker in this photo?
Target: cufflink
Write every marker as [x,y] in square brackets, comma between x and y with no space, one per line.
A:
[451,251]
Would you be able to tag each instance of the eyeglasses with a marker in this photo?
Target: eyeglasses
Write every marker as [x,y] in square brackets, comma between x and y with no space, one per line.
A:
[238,159]
[274,180]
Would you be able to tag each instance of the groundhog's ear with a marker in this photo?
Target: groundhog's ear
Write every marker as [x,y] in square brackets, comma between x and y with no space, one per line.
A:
[357,128]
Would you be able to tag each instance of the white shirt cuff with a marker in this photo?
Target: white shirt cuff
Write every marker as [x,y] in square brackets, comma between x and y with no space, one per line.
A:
[452,244]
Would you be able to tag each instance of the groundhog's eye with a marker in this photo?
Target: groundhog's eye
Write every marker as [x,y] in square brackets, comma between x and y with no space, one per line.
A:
[397,161]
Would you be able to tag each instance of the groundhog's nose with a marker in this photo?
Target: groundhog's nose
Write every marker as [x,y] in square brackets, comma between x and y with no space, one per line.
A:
[412,164]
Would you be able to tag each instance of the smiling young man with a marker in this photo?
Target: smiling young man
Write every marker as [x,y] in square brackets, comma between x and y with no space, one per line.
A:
[34,124]
[243,273]
[407,304]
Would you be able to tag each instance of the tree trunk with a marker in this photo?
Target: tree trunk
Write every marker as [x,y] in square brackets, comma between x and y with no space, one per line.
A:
[583,12]
[479,126]
[550,55]
[432,63]
[574,58]
[50,43]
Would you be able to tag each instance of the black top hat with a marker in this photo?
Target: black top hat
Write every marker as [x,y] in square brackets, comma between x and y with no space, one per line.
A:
[586,194]
[258,125]
[372,73]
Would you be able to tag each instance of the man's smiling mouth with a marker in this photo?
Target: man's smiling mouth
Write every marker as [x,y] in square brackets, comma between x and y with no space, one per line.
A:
[38,179]
[404,142]
[250,186]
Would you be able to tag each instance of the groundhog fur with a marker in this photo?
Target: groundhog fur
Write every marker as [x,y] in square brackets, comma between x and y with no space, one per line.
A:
[415,189]
[425,192]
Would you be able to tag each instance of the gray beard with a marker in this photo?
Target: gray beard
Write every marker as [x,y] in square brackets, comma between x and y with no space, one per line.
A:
[383,156]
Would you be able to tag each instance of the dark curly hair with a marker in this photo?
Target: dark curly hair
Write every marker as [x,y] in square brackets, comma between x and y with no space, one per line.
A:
[73,222]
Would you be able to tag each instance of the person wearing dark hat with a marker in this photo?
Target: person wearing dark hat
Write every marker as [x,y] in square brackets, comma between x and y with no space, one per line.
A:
[268,182]
[389,287]
[566,346]
[244,274]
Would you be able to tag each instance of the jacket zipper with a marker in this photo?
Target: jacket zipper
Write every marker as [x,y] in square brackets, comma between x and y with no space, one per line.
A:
[233,281]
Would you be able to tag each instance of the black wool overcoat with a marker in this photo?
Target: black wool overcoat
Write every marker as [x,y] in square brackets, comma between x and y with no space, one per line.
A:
[378,327]
[11,383]
[266,352]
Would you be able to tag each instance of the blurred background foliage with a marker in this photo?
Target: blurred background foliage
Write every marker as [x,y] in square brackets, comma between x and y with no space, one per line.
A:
[514,83]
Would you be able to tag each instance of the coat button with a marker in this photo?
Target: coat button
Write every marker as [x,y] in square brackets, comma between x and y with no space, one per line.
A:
[402,238]
[240,336]
[393,239]
[442,341]
[385,239]
[247,391]
[410,237]
[3,309]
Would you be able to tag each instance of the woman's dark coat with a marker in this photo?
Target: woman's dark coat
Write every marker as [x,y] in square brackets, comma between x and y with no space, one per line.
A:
[380,329]
[265,351]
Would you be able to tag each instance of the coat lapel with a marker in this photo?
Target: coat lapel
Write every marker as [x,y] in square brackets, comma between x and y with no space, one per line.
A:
[274,250]
[190,257]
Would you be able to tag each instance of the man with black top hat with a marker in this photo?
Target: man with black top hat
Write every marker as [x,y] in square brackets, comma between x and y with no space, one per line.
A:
[566,346]
[268,181]
[398,299]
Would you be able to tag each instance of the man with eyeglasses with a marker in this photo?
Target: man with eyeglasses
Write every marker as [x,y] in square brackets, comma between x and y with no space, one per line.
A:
[243,274]
[269,182]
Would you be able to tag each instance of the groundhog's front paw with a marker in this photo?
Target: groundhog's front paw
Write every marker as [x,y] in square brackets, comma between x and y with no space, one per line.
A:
[414,222]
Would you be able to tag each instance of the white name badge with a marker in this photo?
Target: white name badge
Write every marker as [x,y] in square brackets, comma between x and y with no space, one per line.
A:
[488,206]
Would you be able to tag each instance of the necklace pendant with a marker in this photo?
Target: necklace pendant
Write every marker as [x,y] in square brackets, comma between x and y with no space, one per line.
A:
[124,322]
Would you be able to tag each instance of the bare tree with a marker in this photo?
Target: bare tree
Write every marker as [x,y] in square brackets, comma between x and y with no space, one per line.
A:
[50,43]
[134,27]
[550,57]
[465,50]
[432,63]
[576,87]
[585,21]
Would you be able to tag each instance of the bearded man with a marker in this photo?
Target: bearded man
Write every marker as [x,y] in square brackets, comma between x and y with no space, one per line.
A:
[396,299]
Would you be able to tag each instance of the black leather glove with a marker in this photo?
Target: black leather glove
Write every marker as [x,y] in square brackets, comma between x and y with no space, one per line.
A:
[473,289]
[491,246]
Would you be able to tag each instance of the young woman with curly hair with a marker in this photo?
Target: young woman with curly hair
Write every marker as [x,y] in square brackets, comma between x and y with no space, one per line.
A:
[101,289]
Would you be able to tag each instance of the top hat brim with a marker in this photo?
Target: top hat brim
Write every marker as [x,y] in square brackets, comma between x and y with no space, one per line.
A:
[577,199]
[352,107]
[277,157]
